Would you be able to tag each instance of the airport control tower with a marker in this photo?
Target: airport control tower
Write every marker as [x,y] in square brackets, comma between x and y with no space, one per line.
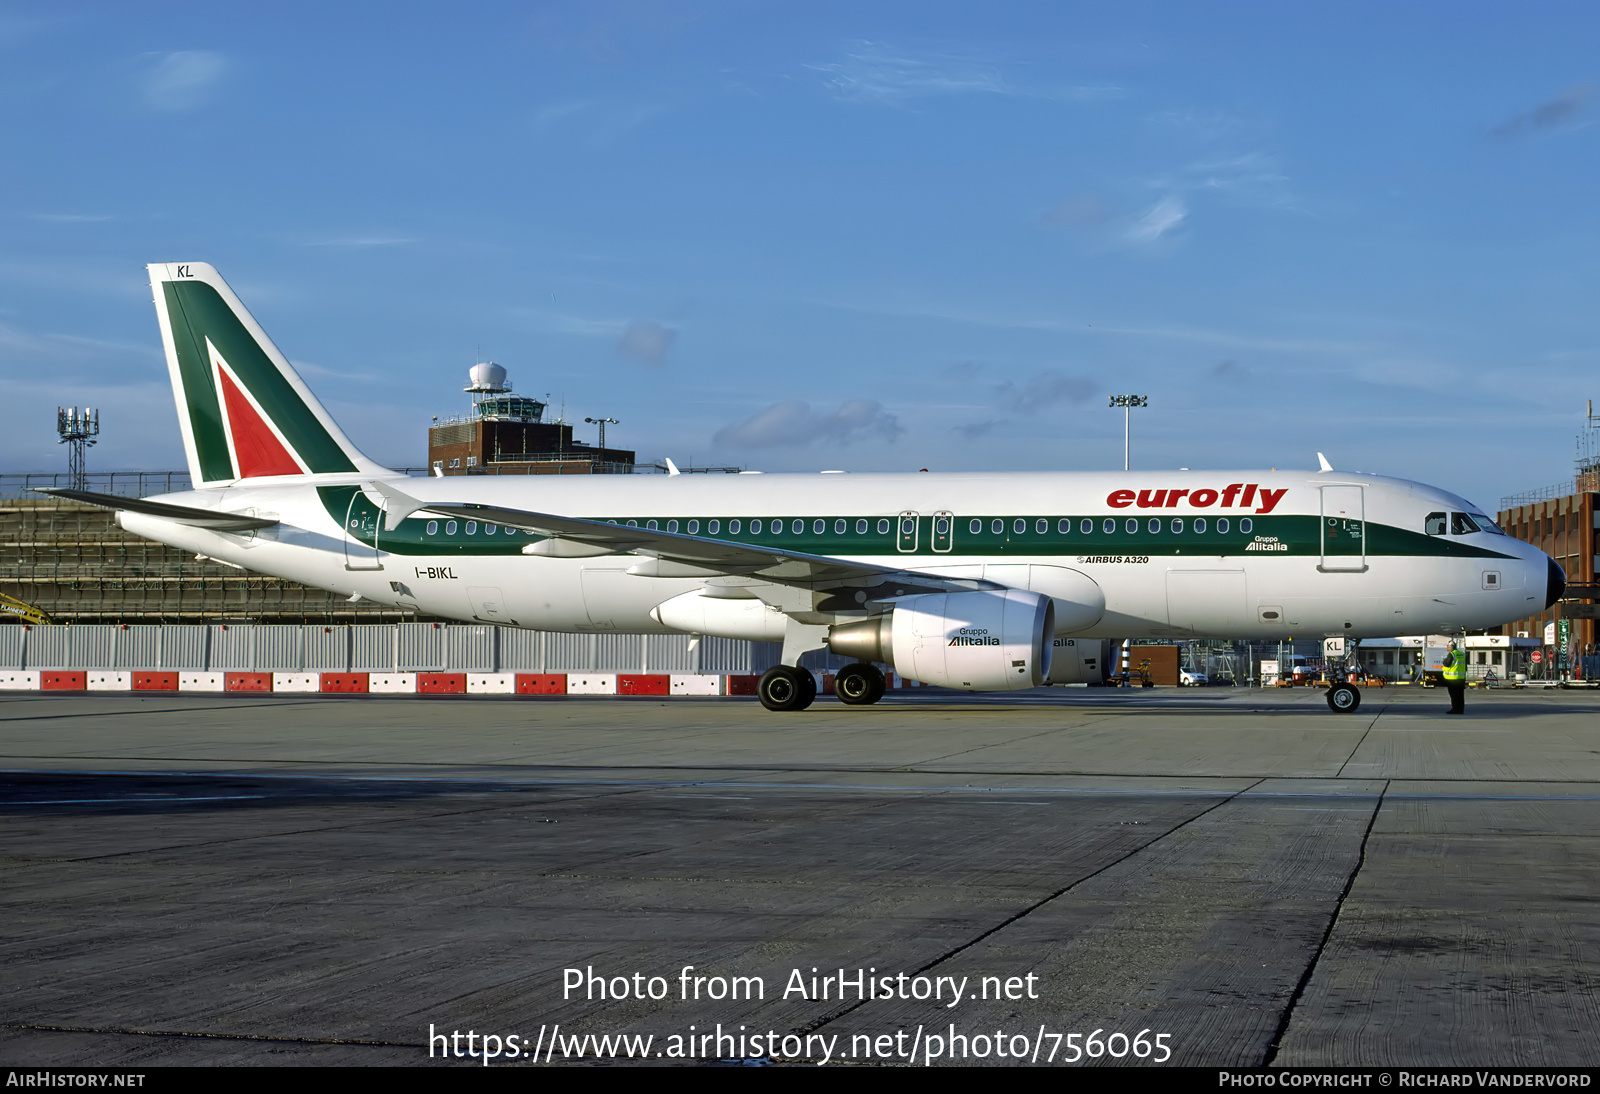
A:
[507,434]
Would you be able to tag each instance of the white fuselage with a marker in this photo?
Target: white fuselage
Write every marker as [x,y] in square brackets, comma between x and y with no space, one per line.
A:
[1295,554]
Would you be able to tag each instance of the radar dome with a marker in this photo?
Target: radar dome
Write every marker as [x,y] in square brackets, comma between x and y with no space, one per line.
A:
[487,376]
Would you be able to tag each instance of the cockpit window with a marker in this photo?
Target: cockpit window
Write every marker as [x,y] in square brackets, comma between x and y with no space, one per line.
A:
[1434,525]
[1486,525]
[1461,524]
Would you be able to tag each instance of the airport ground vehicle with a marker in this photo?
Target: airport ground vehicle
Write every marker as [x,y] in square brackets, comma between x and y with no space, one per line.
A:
[967,580]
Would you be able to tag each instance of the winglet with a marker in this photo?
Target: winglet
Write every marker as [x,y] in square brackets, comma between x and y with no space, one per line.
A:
[1323,460]
[672,468]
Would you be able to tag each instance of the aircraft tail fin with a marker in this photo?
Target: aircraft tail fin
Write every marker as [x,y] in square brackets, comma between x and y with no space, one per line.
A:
[244,411]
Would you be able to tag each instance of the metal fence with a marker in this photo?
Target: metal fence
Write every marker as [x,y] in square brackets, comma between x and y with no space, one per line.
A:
[394,647]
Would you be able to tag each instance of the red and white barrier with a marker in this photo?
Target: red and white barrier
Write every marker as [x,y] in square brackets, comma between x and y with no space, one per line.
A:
[402,683]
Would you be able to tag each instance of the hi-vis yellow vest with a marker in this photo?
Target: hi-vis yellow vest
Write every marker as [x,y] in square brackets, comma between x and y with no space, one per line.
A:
[1455,667]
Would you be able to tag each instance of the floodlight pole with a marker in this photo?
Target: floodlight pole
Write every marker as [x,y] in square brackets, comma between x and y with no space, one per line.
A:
[602,422]
[1127,403]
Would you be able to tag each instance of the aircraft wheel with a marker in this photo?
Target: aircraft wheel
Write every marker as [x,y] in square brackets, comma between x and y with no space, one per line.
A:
[783,687]
[859,685]
[1343,698]
[808,681]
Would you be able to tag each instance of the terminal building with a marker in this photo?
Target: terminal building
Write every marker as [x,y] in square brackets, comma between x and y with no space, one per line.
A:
[1563,521]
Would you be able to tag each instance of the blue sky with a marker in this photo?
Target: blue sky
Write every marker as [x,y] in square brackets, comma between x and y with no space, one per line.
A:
[797,236]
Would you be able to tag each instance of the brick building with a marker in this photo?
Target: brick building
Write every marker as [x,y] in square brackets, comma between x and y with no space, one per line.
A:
[506,434]
[1565,528]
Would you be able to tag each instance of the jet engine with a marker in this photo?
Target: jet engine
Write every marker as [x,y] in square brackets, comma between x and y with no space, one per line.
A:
[979,641]
[1082,661]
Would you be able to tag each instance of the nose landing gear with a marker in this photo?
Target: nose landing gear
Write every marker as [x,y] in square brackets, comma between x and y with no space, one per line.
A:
[1344,698]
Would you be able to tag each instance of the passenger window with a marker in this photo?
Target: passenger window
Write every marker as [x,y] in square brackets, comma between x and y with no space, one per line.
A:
[755,527]
[1041,526]
[942,526]
[733,527]
[861,527]
[472,527]
[998,527]
[1087,526]
[694,527]
[433,526]
[819,526]
[1200,524]
[1177,525]
[1245,525]
[1461,524]
[838,527]
[1109,526]
[1154,525]
[1222,525]
[449,527]
[1019,526]
[777,527]
[883,527]
[908,527]
[489,529]
[672,526]
[1434,524]
[650,524]
[1064,526]
[1132,526]
[631,524]
[798,527]
[713,527]
[975,527]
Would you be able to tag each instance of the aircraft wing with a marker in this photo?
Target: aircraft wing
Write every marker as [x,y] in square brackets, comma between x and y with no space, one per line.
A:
[213,519]
[673,554]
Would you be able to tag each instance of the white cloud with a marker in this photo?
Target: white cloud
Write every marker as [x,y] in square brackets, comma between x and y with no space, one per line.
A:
[597,122]
[1161,219]
[873,74]
[362,241]
[1043,391]
[71,218]
[183,80]
[647,342]
[794,423]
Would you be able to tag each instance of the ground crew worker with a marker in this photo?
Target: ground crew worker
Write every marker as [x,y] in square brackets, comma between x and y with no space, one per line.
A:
[1455,679]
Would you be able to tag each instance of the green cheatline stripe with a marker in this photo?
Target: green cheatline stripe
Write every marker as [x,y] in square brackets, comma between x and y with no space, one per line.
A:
[1301,535]
[202,313]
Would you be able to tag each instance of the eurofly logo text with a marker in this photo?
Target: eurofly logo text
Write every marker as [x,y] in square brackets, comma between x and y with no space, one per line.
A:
[1229,497]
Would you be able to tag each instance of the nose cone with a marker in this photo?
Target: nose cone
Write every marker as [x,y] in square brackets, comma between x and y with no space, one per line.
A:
[1555,584]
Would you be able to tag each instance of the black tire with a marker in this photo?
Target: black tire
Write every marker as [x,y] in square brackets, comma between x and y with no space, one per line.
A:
[808,681]
[859,685]
[1344,698]
[784,688]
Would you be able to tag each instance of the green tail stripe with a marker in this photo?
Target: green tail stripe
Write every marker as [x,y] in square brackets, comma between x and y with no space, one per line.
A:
[202,313]
[199,393]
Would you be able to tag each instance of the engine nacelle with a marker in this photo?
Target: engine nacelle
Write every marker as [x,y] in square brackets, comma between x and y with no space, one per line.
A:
[1082,661]
[978,641]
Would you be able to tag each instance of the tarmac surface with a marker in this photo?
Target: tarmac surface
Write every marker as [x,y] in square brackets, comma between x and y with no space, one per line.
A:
[1243,875]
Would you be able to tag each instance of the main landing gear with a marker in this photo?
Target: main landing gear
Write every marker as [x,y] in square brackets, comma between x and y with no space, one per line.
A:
[1344,698]
[859,685]
[784,687]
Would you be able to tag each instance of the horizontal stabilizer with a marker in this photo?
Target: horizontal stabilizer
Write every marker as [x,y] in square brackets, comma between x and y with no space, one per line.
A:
[178,514]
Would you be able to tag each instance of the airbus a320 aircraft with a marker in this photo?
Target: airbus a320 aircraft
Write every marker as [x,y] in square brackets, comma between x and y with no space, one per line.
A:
[974,581]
